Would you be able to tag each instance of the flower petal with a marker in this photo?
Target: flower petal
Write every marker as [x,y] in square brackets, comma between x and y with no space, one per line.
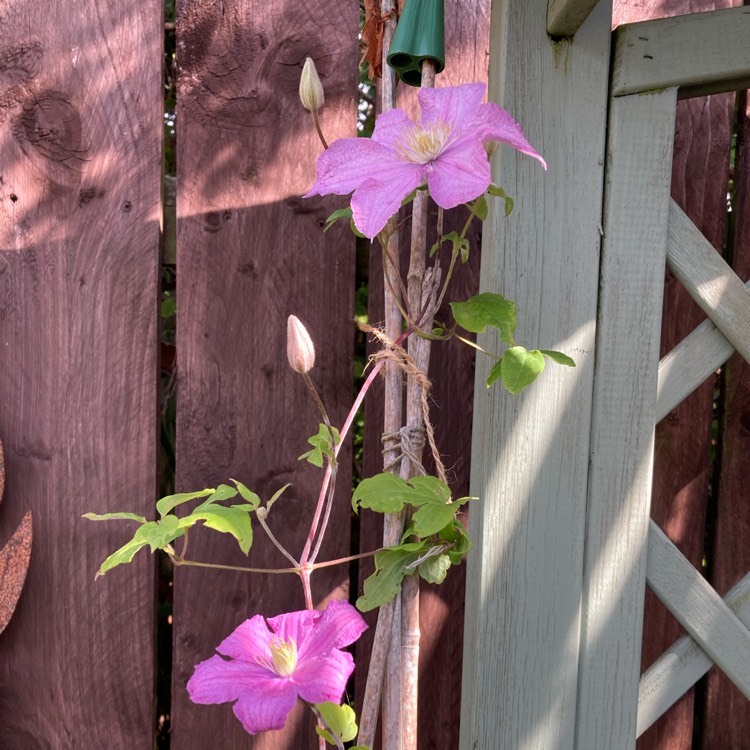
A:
[390,127]
[267,708]
[493,123]
[249,641]
[452,104]
[460,174]
[321,680]
[376,200]
[347,163]
[217,680]
[338,625]
[295,626]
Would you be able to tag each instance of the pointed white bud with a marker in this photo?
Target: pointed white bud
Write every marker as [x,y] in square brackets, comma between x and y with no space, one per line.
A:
[299,346]
[310,87]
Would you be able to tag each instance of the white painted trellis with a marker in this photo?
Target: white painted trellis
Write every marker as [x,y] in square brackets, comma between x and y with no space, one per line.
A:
[564,541]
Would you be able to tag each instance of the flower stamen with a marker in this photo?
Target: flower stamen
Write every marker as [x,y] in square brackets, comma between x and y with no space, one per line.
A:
[284,655]
[423,143]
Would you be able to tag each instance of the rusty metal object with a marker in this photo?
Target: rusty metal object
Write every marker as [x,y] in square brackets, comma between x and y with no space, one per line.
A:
[14,560]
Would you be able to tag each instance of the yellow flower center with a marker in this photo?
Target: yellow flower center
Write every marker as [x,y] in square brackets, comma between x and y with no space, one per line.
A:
[284,655]
[424,143]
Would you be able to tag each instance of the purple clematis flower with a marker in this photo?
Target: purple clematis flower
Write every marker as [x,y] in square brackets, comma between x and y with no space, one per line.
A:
[268,669]
[445,149]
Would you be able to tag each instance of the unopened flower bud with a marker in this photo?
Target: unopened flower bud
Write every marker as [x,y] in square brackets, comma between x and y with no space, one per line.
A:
[299,346]
[310,87]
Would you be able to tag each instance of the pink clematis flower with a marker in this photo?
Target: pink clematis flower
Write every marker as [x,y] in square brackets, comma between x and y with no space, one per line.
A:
[445,149]
[268,669]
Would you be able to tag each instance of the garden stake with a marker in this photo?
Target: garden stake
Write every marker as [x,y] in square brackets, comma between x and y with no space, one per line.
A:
[389,616]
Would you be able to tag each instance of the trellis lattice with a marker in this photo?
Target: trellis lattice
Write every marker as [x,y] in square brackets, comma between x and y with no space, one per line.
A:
[644,231]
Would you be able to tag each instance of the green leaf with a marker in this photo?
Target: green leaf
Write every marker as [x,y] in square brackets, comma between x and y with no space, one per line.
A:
[170,502]
[487,309]
[495,372]
[559,357]
[481,207]
[234,521]
[520,368]
[459,540]
[500,193]
[434,569]
[168,307]
[433,517]
[387,493]
[158,534]
[114,517]
[276,495]
[222,492]
[339,213]
[390,569]
[321,443]
[459,245]
[341,720]
[120,557]
[252,499]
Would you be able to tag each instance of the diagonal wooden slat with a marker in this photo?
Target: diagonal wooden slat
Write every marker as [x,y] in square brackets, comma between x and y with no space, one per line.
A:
[686,366]
[709,280]
[682,665]
[698,608]
[702,53]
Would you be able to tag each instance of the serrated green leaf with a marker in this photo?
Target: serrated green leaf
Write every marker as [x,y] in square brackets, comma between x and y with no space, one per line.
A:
[387,493]
[559,357]
[158,534]
[321,443]
[434,569]
[222,492]
[234,521]
[170,502]
[520,368]
[121,556]
[390,569]
[495,372]
[339,213]
[509,203]
[114,517]
[341,720]
[487,309]
[252,499]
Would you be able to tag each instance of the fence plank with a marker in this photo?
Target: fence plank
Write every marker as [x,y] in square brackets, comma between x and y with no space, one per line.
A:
[80,134]
[727,715]
[530,452]
[250,252]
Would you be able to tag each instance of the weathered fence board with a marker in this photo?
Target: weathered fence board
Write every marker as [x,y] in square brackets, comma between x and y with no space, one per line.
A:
[80,139]
[524,573]
[251,252]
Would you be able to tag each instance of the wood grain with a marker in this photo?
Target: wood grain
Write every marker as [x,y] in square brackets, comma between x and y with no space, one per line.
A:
[251,252]
[530,452]
[80,177]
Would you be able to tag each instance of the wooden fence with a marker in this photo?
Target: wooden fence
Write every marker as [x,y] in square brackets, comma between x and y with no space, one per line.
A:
[81,124]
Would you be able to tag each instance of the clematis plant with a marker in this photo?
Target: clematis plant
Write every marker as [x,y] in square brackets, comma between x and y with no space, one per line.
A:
[265,666]
[445,149]
[269,666]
